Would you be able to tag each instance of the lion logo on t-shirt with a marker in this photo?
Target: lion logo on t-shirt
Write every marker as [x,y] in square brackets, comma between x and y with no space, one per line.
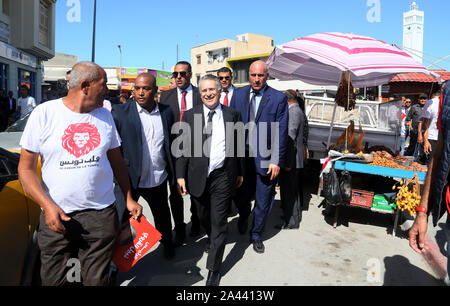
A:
[81,138]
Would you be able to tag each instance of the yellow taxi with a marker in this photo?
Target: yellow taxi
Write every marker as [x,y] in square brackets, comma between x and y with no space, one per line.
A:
[19,219]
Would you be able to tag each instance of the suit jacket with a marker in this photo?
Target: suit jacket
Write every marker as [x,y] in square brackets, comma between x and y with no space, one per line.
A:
[195,169]
[295,153]
[14,106]
[129,126]
[170,98]
[272,108]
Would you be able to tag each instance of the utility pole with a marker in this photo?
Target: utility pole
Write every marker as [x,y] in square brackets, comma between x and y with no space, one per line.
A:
[120,73]
[93,31]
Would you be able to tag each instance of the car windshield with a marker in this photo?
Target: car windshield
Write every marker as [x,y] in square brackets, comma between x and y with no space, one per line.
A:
[19,125]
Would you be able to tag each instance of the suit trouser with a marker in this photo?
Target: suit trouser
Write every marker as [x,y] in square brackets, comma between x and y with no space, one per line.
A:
[90,237]
[260,188]
[213,207]
[290,197]
[177,208]
[156,198]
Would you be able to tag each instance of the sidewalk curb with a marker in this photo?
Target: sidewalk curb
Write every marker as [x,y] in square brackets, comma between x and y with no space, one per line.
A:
[434,257]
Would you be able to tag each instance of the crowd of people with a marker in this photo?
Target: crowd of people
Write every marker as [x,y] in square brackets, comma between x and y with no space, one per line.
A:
[419,127]
[11,109]
[218,144]
[131,145]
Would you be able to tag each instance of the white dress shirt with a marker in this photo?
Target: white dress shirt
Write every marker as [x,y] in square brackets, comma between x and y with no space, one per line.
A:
[189,97]
[153,162]
[230,95]
[217,156]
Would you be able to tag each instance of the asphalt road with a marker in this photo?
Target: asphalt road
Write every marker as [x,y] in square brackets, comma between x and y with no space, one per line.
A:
[361,251]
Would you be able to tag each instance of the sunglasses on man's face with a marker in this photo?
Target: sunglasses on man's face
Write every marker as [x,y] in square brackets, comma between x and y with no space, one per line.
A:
[224,78]
[181,73]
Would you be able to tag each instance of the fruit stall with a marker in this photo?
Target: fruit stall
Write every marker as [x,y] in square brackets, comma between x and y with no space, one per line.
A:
[380,182]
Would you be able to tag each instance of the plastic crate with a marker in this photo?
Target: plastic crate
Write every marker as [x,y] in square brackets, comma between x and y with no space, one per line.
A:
[362,198]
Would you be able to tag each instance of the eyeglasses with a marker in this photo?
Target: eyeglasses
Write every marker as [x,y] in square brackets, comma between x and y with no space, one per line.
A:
[224,78]
[181,73]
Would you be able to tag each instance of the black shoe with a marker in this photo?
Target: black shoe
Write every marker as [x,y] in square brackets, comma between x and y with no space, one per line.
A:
[213,278]
[258,246]
[195,230]
[179,238]
[242,225]
[169,251]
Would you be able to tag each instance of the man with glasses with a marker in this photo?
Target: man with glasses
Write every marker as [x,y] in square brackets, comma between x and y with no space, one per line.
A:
[180,99]
[225,77]
[412,120]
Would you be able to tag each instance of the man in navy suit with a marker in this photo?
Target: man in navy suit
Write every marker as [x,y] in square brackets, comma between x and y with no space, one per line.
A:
[265,109]
[144,127]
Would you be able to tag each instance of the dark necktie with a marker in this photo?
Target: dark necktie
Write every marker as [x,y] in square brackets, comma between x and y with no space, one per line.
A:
[209,132]
[225,100]
[252,116]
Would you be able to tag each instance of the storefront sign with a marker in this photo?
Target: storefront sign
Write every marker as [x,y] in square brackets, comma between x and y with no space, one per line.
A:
[17,55]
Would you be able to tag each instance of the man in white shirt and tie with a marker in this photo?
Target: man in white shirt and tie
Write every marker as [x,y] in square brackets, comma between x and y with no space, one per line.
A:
[211,178]
[225,77]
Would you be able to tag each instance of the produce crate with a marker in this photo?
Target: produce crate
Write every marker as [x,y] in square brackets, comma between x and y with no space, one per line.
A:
[380,202]
[362,198]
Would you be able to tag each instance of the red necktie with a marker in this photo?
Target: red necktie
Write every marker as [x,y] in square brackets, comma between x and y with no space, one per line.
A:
[225,100]
[183,104]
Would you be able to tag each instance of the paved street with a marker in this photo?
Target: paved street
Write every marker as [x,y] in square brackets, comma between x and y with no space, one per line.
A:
[361,251]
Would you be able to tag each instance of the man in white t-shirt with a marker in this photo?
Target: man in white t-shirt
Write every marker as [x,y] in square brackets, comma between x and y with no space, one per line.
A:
[428,128]
[25,103]
[79,147]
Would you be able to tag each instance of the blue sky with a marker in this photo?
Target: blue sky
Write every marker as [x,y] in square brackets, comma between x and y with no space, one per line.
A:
[149,30]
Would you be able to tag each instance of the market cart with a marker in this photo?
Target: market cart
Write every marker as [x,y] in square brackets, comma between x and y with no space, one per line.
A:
[360,202]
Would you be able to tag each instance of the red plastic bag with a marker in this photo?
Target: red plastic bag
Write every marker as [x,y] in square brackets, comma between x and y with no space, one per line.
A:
[134,241]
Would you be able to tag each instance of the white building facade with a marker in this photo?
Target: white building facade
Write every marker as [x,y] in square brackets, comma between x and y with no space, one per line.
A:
[27,37]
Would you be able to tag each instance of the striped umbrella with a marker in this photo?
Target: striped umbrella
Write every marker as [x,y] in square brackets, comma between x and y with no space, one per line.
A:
[319,59]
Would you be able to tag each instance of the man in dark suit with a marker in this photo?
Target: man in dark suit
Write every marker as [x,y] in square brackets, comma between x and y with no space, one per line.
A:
[144,127]
[181,99]
[212,176]
[291,197]
[226,77]
[264,111]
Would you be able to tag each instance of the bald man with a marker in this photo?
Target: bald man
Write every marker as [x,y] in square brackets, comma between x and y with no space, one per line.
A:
[265,109]
[144,126]
[78,143]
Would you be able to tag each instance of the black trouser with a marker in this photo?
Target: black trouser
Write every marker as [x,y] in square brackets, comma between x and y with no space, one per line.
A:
[412,142]
[156,198]
[177,208]
[213,207]
[90,237]
[290,197]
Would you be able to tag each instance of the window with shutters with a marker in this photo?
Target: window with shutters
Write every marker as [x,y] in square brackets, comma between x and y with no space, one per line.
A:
[44,23]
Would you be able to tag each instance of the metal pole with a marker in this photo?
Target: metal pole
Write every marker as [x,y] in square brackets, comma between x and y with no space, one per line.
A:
[120,72]
[93,31]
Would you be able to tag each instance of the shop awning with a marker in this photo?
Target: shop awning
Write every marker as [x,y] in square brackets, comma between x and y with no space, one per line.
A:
[414,77]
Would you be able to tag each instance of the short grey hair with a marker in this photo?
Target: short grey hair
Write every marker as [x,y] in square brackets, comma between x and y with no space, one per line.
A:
[84,71]
[211,77]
